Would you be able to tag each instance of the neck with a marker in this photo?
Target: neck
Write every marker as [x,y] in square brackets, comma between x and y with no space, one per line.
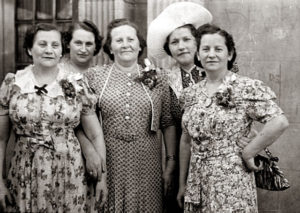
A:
[80,67]
[216,76]
[45,75]
[126,67]
[188,68]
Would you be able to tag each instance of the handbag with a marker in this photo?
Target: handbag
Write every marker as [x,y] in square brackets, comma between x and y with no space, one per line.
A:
[270,177]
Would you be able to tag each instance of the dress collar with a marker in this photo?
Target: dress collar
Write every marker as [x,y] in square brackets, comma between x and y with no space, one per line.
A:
[26,81]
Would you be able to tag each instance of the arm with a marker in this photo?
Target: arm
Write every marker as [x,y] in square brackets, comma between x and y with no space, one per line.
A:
[4,137]
[94,163]
[93,131]
[184,159]
[170,144]
[270,132]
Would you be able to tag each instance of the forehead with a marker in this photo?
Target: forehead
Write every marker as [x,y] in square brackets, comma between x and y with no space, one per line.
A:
[212,39]
[84,35]
[124,30]
[180,32]
[50,36]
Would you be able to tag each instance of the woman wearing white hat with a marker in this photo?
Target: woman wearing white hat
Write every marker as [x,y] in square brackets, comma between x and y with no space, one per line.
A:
[173,33]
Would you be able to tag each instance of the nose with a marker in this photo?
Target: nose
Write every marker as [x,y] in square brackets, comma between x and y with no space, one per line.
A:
[181,45]
[49,49]
[83,48]
[211,53]
[125,43]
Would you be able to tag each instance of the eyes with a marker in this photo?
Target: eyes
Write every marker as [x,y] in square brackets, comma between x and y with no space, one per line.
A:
[44,44]
[87,44]
[216,49]
[184,39]
[121,40]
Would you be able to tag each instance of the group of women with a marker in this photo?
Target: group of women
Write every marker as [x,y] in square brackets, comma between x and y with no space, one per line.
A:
[62,110]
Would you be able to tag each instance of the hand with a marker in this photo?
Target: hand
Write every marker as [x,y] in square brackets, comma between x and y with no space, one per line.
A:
[244,141]
[95,165]
[180,196]
[251,164]
[101,193]
[168,178]
[5,197]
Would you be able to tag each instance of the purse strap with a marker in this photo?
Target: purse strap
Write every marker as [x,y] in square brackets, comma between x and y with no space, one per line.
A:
[267,151]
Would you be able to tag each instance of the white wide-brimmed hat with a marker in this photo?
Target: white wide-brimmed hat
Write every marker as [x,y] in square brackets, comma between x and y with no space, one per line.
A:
[172,17]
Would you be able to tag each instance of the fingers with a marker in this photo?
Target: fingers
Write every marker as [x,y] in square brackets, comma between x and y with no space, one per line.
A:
[103,165]
[180,200]
[252,134]
[103,198]
[99,173]
[243,142]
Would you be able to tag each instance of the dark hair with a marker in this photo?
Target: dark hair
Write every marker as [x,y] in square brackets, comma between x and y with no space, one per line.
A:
[188,26]
[33,30]
[85,25]
[117,23]
[212,29]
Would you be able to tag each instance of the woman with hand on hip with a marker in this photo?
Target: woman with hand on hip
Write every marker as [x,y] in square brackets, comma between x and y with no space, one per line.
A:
[134,105]
[173,33]
[82,43]
[44,104]
[218,111]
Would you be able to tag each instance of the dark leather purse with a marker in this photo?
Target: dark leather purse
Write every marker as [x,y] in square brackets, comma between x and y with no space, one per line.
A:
[271,177]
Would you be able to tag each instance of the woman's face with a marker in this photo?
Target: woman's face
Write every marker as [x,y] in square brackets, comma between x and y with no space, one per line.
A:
[125,45]
[82,46]
[213,52]
[183,46]
[46,49]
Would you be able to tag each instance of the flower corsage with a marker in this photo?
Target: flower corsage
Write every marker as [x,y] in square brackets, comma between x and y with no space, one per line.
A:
[68,88]
[224,96]
[148,76]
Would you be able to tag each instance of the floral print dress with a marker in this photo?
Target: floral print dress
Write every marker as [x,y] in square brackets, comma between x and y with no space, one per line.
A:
[47,172]
[218,180]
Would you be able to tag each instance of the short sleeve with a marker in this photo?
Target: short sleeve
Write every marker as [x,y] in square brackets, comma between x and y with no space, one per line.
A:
[261,102]
[5,93]
[88,97]
[166,117]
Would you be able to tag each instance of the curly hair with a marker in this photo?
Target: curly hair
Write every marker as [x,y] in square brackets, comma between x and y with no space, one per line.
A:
[213,29]
[117,23]
[85,25]
[33,30]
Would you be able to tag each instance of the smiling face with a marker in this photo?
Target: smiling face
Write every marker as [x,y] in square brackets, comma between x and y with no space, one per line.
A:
[125,45]
[82,46]
[213,52]
[46,49]
[183,46]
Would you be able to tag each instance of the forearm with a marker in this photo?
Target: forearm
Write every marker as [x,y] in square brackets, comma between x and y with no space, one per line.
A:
[86,146]
[170,140]
[268,135]
[184,158]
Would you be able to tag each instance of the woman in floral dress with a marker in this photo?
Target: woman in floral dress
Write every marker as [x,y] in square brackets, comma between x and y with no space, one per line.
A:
[133,108]
[173,33]
[219,111]
[44,104]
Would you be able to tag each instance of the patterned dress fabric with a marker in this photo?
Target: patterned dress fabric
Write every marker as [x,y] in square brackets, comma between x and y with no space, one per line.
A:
[133,150]
[47,172]
[187,80]
[218,180]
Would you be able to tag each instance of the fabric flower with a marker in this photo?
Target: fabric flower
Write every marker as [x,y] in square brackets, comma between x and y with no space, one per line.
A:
[148,76]
[68,88]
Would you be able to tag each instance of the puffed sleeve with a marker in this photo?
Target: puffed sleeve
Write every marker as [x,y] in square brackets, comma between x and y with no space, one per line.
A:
[261,102]
[6,92]
[87,96]
[166,116]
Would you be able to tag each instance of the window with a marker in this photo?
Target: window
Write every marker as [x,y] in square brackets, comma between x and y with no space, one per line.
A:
[28,12]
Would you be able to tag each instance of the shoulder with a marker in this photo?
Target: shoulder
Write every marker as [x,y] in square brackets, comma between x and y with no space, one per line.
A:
[253,88]
[98,71]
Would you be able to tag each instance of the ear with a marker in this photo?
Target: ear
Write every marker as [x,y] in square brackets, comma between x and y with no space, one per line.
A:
[198,56]
[230,56]
[29,52]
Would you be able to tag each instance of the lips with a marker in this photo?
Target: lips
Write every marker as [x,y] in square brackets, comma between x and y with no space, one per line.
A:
[184,53]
